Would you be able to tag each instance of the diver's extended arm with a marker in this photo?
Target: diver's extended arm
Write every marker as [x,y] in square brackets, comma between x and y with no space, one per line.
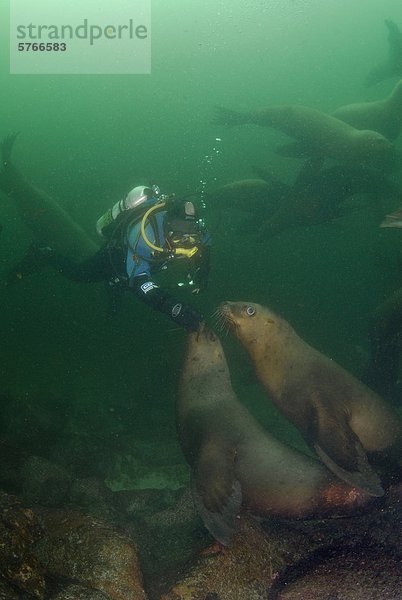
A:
[180,313]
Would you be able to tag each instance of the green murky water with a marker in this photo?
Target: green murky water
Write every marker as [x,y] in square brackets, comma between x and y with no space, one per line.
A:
[66,368]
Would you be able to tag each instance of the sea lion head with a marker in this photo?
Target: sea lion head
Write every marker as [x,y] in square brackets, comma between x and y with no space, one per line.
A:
[251,322]
[374,143]
[204,349]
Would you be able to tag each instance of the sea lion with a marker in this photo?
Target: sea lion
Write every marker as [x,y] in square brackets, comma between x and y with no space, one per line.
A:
[313,198]
[344,421]
[235,463]
[248,195]
[392,65]
[384,116]
[316,132]
[51,225]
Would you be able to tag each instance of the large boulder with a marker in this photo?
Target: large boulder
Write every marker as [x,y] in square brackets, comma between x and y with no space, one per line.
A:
[90,552]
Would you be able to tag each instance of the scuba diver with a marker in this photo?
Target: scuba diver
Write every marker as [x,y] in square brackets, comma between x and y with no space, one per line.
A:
[144,233]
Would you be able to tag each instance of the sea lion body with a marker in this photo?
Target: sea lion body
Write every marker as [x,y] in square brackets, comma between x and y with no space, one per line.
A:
[235,463]
[316,133]
[383,116]
[342,419]
[50,224]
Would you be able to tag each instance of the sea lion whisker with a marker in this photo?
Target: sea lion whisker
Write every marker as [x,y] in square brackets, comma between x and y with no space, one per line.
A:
[218,319]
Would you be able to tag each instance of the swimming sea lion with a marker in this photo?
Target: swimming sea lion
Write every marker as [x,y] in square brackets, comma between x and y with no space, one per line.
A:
[344,421]
[314,197]
[245,194]
[51,225]
[384,116]
[392,65]
[235,463]
[317,133]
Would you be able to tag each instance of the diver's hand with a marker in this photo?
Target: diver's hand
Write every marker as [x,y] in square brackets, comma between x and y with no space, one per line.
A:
[186,316]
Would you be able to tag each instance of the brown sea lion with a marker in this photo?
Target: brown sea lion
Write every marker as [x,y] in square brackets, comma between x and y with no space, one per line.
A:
[317,193]
[314,197]
[384,116]
[344,421]
[392,65]
[235,463]
[316,132]
[249,195]
[51,225]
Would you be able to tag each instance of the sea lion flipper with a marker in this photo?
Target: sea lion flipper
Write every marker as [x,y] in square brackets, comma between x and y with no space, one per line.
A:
[6,147]
[364,478]
[217,493]
[391,66]
[341,451]
[224,524]
[394,39]
[229,117]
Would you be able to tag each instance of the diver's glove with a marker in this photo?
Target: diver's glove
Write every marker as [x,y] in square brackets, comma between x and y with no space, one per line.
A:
[182,314]
[186,316]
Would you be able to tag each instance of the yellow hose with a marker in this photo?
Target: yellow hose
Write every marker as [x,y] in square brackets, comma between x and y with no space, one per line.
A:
[189,252]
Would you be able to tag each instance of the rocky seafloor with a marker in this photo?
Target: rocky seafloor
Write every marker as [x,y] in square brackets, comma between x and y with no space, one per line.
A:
[80,520]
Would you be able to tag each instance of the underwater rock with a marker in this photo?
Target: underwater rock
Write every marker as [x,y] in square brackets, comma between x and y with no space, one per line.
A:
[44,482]
[167,540]
[77,592]
[91,552]
[7,592]
[263,558]
[347,574]
[245,570]
[19,529]
[142,502]
[181,512]
[93,497]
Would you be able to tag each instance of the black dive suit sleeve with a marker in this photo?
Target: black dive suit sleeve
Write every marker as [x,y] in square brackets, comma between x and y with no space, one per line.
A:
[181,314]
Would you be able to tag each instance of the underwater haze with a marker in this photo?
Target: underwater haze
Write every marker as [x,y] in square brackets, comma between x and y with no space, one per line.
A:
[68,370]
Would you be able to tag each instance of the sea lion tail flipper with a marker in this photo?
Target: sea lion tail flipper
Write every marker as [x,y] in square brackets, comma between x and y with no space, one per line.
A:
[221,525]
[364,478]
[227,116]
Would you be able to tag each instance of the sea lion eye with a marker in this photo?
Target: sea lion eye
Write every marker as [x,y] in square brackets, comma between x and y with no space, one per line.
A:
[250,311]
